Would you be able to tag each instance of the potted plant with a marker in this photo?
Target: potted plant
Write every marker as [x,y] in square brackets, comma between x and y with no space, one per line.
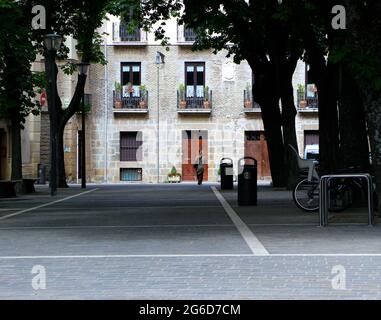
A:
[174,176]
[183,102]
[143,97]
[301,96]
[206,98]
[118,95]
[248,103]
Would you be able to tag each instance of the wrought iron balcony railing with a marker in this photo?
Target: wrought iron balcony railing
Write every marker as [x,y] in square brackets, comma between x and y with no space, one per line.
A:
[249,103]
[122,34]
[189,34]
[130,102]
[202,104]
[308,103]
[126,35]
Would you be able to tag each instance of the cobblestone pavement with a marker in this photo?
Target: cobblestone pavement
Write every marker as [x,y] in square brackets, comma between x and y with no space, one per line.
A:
[180,242]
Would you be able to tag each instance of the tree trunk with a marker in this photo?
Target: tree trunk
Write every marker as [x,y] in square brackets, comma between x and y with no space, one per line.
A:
[328,117]
[354,149]
[16,173]
[61,179]
[288,118]
[65,116]
[265,93]
[372,103]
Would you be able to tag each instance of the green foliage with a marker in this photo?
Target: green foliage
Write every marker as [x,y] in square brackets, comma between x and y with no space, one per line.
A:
[143,90]
[182,91]
[301,88]
[174,173]
[206,93]
[87,108]
[19,85]
[117,86]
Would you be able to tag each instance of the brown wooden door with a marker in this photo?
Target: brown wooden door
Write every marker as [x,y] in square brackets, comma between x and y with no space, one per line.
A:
[256,147]
[192,143]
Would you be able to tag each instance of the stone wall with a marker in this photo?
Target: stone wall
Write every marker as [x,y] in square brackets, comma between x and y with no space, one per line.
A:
[225,125]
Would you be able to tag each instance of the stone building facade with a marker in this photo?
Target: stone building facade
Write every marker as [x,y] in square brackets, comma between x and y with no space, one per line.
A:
[136,142]
[221,130]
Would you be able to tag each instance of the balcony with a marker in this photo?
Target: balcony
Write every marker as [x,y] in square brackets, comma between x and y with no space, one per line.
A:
[194,105]
[249,105]
[308,105]
[131,104]
[185,36]
[123,37]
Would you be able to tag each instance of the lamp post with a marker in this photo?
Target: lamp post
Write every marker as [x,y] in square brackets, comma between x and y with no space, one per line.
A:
[159,59]
[52,43]
[82,70]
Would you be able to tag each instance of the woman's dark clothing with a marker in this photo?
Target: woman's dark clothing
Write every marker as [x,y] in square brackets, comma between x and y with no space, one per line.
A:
[199,170]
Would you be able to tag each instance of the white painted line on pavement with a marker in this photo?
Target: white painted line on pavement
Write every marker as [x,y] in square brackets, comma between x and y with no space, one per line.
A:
[252,241]
[125,227]
[124,256]
[157,226]
[46,204]
[128,256]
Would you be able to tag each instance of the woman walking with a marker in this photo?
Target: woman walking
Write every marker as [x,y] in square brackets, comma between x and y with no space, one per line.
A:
[199,168]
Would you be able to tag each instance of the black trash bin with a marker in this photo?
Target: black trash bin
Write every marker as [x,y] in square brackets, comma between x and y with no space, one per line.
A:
[247,182]
[226,170]
[41,179]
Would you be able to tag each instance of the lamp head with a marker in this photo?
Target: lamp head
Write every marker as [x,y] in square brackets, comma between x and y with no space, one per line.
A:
[52,41]
[159,59]
[83,67]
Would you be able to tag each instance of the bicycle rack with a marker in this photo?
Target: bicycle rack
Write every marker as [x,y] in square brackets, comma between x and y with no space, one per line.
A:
[323,207]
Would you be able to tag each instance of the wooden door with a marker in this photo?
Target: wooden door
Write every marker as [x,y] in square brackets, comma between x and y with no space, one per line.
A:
[256,147]
[192,143]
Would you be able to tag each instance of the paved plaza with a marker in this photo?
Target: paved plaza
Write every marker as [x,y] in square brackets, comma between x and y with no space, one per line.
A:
[182,241]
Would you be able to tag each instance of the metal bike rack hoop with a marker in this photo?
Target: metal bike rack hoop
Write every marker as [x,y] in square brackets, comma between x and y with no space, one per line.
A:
[323,207]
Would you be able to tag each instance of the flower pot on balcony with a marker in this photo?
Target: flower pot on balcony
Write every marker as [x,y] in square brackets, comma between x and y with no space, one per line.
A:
[206,104]
[183,104]
[248,104]
[143,104]
[118,104]
[303,104]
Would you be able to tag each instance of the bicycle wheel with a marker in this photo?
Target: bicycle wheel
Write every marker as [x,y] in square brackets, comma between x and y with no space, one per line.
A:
[306,195]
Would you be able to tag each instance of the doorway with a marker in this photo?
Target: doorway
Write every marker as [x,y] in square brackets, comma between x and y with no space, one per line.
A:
[194,141]
[256,147]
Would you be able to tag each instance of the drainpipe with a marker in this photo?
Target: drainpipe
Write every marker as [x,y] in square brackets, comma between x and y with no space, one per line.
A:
[106,110]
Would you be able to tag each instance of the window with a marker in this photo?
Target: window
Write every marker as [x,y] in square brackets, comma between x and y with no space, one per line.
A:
[311,137]
[311,144]
[131,146]
[311,93]
[254,135]
[195,79]
[189,34]
[125,34]
[131,174]
[131,74]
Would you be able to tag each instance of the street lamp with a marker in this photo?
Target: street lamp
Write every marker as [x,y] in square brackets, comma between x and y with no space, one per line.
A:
[159,59]
[52,43]
[83,67]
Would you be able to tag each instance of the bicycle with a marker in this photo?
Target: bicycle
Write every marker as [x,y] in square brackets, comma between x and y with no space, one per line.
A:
[342,192]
